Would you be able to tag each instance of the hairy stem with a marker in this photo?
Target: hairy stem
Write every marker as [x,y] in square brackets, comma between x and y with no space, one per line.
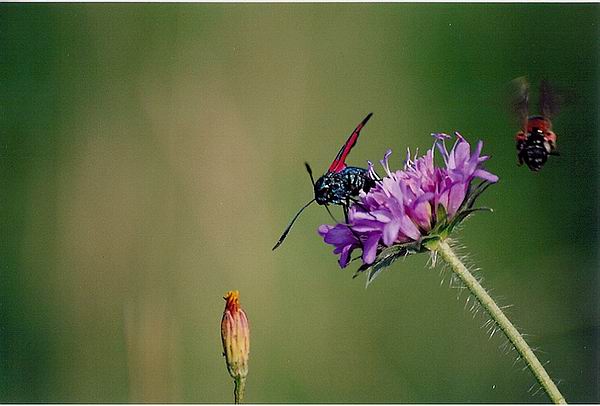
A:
[444,250]
[238,391]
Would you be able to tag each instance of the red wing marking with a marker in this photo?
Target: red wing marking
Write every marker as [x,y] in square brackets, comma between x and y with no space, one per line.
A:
[339,163]
[538,122]
[550,137]
[521,136]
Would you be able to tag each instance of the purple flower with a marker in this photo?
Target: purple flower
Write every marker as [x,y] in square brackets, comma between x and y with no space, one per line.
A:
[409,205]
[461,168]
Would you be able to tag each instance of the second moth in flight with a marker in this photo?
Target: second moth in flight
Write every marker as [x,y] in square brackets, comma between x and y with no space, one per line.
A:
[536,140]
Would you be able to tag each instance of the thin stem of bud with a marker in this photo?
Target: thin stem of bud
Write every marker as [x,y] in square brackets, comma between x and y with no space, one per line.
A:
[499,317]
[238,391]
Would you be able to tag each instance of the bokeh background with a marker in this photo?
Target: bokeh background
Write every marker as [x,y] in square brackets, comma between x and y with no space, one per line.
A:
[151,155]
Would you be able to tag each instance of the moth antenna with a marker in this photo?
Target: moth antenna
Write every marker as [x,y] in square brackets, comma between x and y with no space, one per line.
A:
[309,170]
[289,227]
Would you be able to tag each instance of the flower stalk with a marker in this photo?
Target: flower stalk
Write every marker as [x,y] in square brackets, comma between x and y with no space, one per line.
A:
[415,210]
[445,252]
[239,388]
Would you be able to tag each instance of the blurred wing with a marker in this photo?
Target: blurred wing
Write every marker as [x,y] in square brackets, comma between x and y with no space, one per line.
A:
[520,100]
[549,100]
[339,163]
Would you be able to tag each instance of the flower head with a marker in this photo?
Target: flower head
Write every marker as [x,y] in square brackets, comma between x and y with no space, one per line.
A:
[235,334]
[408,206]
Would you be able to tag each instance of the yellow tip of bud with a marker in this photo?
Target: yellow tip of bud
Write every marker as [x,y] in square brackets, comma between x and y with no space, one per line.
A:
[233,300]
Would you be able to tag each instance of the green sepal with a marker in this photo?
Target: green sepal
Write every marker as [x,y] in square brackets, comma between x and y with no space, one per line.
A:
[386,257]
[461,216]
[441,217]
[432,239]
[472,195]
[443,228]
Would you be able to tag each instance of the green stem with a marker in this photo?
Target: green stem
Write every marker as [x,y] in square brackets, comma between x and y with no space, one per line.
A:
[498,316]
[238,391]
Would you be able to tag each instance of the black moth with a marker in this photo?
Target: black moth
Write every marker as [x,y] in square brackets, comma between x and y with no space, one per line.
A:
[340,184]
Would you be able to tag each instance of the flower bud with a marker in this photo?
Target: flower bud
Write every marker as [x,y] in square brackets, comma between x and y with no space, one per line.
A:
[235,334]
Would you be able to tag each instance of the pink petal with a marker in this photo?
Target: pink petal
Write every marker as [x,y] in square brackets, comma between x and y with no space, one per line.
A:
[370,248]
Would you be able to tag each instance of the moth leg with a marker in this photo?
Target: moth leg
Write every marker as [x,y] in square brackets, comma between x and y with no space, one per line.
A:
[359,204]
[345,207]
[551,139]
[520,159]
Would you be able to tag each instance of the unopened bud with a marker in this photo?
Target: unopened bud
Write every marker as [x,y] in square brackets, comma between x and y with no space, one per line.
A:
[235,334]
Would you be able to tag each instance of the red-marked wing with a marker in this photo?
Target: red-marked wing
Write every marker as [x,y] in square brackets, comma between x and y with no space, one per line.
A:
[339,163]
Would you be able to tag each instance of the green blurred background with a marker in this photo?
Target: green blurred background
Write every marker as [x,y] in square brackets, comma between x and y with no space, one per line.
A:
[151,155]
